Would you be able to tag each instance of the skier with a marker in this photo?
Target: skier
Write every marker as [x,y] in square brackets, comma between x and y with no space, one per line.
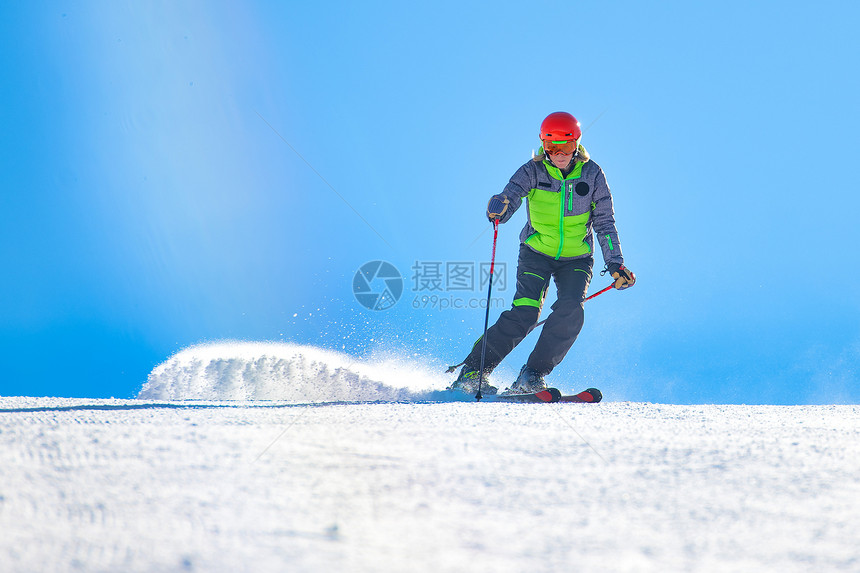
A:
[567,200]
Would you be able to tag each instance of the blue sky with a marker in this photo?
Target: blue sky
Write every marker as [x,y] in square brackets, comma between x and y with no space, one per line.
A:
[179,172]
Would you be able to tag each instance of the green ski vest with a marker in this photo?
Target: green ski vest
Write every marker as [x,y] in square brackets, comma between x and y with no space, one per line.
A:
[559,232]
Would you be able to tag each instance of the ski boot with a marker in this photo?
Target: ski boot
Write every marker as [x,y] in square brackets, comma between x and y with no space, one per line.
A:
[467,382]
[528,382]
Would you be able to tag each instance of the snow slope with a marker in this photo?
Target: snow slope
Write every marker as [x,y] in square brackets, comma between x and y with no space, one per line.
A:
[312,485]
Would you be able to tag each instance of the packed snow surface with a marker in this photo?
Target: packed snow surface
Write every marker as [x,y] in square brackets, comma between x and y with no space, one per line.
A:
[174,483]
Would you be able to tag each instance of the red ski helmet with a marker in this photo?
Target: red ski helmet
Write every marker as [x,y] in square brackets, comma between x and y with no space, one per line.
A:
[560,126]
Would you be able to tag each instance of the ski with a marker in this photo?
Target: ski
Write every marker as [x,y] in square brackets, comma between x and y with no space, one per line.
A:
[548,395]
[589,396]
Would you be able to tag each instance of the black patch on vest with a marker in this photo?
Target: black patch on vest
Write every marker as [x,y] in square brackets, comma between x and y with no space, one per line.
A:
[544,185]
[582,189]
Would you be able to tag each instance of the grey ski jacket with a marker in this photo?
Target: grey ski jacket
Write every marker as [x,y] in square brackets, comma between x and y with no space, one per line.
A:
[564,212]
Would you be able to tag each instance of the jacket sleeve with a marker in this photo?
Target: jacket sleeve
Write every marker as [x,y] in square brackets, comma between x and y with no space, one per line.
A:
[518,187]
[604,221]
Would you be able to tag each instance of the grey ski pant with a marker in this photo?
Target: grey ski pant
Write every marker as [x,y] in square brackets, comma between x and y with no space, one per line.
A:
[558,334]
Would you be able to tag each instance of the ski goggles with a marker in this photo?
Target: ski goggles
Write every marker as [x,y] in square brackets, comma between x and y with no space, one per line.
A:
[565,147]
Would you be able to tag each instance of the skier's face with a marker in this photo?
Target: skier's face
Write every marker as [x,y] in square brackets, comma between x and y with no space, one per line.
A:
[560,152]
[561,160]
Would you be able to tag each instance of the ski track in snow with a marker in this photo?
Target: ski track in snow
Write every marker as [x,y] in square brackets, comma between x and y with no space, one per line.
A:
[208,472]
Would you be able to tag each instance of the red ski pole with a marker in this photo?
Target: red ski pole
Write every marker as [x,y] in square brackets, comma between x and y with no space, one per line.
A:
[478,396]
[598,293]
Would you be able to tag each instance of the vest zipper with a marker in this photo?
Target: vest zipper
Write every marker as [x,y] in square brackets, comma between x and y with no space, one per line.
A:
[561,220]
[565,190]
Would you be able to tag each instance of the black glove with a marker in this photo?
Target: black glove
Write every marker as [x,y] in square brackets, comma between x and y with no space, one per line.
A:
[497,207]
[624,277]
